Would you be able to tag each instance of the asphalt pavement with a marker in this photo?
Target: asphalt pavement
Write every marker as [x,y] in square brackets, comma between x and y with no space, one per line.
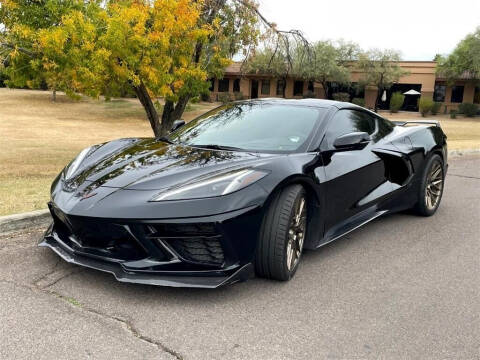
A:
[402,287]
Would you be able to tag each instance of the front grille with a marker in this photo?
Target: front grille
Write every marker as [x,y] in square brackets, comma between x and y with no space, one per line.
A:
[201,250]
[98,238]
[198,243]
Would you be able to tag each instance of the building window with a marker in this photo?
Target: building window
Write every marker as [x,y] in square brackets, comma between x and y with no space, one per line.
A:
[298,88]
[280,87]
[265,87]
[236,85]
[476,96]
[311,88]
[457,94]
[439,93]
[223,85]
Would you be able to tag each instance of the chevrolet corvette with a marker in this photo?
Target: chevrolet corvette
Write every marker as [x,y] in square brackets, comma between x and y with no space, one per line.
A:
[240,191]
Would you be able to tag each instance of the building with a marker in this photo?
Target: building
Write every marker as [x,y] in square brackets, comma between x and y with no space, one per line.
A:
[422,77]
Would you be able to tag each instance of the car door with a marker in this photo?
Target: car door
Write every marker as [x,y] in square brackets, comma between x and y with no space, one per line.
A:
[350,174]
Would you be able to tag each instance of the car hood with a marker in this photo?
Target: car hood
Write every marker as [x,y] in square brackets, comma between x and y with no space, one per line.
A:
[149,164]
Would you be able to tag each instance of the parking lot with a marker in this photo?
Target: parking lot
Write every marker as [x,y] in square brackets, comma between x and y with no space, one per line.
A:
[400,287]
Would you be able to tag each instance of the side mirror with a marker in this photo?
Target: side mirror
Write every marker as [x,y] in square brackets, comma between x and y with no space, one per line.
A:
[352,141]
[177,124]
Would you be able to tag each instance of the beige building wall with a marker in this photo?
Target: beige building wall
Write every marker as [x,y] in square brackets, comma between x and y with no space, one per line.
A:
[421,73]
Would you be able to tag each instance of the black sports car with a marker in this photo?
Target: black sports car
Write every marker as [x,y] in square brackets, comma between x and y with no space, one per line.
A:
[241,190]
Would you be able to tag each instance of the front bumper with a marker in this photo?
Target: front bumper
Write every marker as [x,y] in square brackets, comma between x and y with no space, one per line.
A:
[194,252]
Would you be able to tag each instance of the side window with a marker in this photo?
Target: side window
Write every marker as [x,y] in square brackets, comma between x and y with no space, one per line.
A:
[348,121]
[385,127]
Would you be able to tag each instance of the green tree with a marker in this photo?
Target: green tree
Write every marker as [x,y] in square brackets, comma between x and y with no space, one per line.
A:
[380,69]
[329,63]
[161,48]
[22,22]
[464,59]
[270,61]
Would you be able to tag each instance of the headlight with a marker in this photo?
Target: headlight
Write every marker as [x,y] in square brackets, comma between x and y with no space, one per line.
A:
[217,185]
[73,166]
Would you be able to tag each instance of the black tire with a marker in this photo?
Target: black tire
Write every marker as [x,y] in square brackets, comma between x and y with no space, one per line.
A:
[423,207]
[271,255]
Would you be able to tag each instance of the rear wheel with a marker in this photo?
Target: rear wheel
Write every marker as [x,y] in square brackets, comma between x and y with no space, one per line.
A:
[431,187]
[282,235]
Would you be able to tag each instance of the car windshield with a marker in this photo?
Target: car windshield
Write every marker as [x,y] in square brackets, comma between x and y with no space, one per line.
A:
[255,126]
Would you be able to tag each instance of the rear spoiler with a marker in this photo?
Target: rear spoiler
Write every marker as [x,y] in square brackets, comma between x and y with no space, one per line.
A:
[418,122]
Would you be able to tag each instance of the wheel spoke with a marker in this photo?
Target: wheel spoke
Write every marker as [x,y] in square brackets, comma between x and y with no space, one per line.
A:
[434,186]
[296,234]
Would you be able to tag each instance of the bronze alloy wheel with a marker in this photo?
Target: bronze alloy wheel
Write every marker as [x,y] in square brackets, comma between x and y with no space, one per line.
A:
[434,186]
[296,234]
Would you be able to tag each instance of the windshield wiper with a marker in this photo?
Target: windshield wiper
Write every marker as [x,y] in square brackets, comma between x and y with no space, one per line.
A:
[217,147]
[165,139]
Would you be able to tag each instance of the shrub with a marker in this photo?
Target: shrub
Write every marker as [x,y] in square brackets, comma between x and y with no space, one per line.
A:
[468,109]
[359,101]
[453,114]
[436,108]
[205,96]
[3,79]
[425,105]
[396,102]
[341,96]
[238,95]
[224,98]
[195,100]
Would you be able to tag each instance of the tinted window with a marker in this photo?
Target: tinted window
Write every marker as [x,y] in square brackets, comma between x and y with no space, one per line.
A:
[298,88]
[476,96]
[223,85]
[236,85]
[257,127]
[280,86]
[439,93]
[265,87]
[348,121]
[384,127]
[457,94]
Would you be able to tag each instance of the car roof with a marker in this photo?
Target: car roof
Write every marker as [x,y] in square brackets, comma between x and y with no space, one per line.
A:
[321,103]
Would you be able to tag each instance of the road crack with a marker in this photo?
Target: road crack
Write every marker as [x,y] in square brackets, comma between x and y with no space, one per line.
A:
[128,325]
[36,287]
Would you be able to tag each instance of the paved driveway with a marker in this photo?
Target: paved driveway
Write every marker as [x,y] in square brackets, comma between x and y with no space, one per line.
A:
[401,287]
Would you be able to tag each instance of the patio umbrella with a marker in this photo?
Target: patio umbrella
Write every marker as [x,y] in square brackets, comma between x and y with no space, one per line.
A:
[412,92]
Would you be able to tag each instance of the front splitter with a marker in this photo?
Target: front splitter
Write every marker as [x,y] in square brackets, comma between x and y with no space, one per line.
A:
[210,282]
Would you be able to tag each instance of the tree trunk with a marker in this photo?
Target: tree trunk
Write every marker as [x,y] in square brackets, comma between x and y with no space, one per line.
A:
[284,87]
[147,103]
[167,116]
[54,95]
[180,108]
[325,87]
[172,112]
[377,100]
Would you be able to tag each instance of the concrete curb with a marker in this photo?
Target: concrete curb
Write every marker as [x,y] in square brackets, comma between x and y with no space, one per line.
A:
[455,153]
[17,222]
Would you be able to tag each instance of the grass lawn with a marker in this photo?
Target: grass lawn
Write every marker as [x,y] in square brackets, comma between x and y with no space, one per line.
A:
[38,138]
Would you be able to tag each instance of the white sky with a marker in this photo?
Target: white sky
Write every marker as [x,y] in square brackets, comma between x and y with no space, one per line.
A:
[418,28]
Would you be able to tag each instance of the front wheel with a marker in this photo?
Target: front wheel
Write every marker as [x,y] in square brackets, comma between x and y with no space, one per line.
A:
[282,235]
[431,187]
